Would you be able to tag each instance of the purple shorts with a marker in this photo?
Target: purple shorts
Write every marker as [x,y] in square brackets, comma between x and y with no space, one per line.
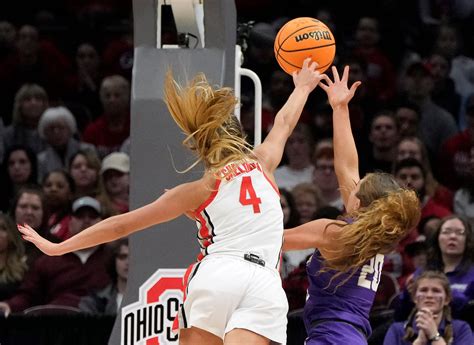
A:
[335,333]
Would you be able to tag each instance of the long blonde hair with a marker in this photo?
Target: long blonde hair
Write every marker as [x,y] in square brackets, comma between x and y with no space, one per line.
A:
[205,114]
[15,265]
[387,213]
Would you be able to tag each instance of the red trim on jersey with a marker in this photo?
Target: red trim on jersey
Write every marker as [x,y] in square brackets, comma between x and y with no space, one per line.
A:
[275,187]
[211,197]
[203,231]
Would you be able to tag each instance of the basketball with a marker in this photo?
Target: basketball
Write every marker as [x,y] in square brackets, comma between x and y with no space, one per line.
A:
[301,38]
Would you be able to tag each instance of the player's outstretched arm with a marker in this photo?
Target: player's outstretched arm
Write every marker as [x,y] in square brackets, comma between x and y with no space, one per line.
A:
[169,206]
[320,233]
[346,160]
[270,151]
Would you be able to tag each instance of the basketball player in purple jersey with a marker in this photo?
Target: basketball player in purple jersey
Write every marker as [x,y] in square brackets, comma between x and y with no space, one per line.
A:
[344,271]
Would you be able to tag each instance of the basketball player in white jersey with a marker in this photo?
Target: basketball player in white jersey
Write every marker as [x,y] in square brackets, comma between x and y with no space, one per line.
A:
[234,293]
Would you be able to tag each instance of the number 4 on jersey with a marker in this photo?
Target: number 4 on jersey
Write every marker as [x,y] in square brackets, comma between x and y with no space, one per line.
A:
[248,195]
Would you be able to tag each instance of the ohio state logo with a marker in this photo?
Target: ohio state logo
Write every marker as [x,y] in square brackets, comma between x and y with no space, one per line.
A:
[149,321]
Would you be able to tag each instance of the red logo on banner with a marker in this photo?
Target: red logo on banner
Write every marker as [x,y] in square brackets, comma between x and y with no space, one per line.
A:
[149,321]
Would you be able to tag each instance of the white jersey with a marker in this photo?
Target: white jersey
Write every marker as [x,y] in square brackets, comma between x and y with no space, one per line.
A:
[242,215]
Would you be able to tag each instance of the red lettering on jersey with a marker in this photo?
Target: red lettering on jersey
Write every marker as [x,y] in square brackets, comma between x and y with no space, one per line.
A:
[240,169]
[246,188]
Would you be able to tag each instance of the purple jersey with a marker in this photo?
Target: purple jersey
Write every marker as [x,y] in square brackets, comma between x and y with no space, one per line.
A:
[350,302]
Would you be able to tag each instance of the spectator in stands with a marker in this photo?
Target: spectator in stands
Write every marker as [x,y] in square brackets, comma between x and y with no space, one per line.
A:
[408,118]
[324,177]
[63,280]
[444,93]
[448,43]
[381,77]
[450,250]
[19,169]
[84,168]
[115,172]
[454,155]
[12,257]
[308,199]
[430,322]
[464,197]
[28,207]
[413,147]
[298,150]
[57,128]
[111,129]
[436,124]
[108,300]
[411,173]
[84,84]
[383,137]
[58,188]
[30,102]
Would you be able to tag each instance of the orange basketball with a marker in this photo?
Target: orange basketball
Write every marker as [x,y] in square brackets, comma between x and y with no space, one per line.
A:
[301,38]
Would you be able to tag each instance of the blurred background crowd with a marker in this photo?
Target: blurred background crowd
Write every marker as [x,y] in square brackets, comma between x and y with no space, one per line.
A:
[65,74]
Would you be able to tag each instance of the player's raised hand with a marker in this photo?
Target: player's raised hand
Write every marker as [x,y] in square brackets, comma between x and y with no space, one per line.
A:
[308,77]
[29,234]
[338,92]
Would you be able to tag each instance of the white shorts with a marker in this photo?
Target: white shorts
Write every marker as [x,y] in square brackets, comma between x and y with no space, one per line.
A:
[228,292]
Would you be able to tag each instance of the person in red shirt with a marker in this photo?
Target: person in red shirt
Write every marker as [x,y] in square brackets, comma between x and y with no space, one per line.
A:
[381,76]
[453,162]
[111,129]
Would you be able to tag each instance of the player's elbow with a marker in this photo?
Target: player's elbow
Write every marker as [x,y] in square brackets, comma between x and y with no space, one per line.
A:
[120,226]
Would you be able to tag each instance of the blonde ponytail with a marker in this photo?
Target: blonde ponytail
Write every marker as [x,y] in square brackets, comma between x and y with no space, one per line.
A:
[205,115]
[375,229]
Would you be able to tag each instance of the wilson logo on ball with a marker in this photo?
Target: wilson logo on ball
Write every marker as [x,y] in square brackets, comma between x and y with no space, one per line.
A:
[315,35]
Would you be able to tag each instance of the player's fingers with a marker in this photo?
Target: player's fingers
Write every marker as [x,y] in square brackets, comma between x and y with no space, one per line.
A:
[355,86]
[306,62]
[313,66]
[326,79]
[345,74]
[335,74]
[323,86]
[22,229]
